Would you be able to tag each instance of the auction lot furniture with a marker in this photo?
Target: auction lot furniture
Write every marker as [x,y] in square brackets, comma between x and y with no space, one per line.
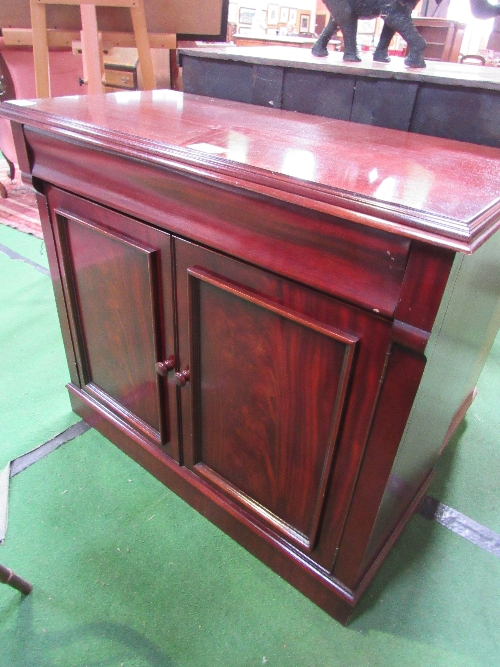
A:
[283,332]
[444,38]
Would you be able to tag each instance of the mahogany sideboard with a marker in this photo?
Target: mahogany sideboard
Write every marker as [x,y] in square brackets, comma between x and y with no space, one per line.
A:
[280,316]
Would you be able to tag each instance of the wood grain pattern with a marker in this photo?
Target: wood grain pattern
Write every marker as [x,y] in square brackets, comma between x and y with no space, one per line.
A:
[117,302]
[422,187]
[427,272]
[401,381]
[105,344]
[269,400]
[271,437]
[262,340]
[364,266]
[55,275]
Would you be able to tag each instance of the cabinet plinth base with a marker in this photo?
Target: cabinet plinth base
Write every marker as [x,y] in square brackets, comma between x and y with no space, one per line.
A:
[315,584]
[338,601]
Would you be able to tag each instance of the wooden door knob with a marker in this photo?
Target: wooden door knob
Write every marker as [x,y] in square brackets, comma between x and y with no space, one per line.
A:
[164,367]
[182,378]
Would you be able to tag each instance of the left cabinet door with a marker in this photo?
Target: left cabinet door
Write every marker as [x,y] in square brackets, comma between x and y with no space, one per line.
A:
[115,275]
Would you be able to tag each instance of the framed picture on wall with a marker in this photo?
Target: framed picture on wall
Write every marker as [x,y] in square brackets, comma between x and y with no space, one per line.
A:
[304,23]
[246,15]
[272,14]
[292,17]
[284,12]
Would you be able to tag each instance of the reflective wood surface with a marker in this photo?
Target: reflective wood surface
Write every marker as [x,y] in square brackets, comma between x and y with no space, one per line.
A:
[423,187]
[253,302]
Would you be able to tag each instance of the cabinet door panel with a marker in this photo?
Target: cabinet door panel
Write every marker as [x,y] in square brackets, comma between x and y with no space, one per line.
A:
[278,378]
[283,378]
[118,303]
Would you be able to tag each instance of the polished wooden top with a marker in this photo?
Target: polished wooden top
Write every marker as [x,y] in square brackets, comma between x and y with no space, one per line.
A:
[444,73]
[446,192]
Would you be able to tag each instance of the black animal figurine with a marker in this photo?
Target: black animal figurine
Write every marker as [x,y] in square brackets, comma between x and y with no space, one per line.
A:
[397,18]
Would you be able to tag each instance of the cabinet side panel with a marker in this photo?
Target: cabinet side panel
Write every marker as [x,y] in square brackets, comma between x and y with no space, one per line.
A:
[462,336]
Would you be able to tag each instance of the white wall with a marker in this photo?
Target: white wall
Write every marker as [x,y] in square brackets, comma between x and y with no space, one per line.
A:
[477,31]
[261,7]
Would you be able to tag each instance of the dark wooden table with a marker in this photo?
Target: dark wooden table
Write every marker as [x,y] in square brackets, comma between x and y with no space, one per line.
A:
[278,315]
[445,99]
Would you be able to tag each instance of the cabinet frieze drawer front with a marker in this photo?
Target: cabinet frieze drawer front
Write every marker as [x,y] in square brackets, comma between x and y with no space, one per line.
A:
[358,264]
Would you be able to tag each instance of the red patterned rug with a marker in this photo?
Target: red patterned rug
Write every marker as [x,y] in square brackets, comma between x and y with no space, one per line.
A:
[19,209]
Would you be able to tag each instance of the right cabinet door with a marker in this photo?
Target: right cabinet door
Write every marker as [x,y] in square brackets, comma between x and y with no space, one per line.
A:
[278,386]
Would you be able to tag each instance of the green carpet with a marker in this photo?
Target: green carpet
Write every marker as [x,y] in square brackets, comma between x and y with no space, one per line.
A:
[468,474]
[24,244]
[125,574]
[33,402]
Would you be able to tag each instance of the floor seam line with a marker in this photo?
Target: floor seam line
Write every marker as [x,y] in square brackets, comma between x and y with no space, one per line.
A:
[24,461]
[12,254]
[460,524]
[430,508]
